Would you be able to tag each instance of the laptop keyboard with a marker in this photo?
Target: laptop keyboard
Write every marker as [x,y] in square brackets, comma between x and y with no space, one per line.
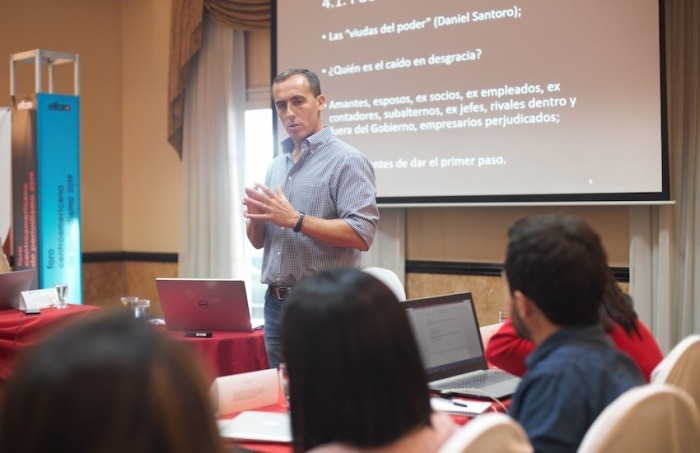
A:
[478,381]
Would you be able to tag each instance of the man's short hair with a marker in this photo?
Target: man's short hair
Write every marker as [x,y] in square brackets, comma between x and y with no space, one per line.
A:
[310,77]
[559,263]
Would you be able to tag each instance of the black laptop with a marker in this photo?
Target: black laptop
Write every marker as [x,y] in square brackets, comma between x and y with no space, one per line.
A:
[449,340]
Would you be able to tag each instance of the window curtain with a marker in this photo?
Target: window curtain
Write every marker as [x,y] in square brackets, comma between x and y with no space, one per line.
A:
[206,124]
[186,39]
[664,249]
[213,147]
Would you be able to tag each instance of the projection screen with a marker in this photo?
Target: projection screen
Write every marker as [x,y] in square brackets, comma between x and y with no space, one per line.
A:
[487,101]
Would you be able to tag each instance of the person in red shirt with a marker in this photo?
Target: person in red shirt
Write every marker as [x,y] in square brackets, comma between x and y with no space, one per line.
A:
[508,351]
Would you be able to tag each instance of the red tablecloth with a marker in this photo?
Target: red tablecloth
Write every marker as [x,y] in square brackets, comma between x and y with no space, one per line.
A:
[227,353]
[266,447]
[19,330]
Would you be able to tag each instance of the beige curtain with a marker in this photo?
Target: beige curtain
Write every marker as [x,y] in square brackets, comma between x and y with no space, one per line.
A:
[186,40]
[665,240]
[211,226]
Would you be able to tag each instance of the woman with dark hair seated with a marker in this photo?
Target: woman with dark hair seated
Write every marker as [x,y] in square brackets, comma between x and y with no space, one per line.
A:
[108,384]
[355,375]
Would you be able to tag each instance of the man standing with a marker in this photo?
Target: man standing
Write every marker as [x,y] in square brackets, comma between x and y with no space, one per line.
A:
[556,272]
[317,208]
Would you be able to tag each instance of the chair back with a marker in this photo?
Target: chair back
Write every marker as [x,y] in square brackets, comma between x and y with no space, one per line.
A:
[487,332]
[649,418]
[390,279]
[681,367]
[491,432]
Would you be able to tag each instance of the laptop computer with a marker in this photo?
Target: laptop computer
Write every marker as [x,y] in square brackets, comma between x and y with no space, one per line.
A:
[205,305]
[448,338]
[12,284]
[258,426]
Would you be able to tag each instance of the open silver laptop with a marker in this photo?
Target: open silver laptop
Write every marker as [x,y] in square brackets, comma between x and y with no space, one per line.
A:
[12,284]
[449,340]
[258,426]
[205,305]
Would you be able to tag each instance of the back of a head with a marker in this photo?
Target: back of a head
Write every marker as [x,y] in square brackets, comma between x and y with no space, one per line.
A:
[108,384]
[559,263]
[355,373]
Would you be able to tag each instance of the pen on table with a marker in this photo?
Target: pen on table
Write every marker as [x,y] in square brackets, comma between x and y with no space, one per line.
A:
[460,403]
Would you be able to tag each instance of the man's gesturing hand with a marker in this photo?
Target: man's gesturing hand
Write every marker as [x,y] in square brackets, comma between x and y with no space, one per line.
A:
[264,204]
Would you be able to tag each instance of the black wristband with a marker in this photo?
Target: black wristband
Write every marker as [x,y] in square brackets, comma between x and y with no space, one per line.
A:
[297,227]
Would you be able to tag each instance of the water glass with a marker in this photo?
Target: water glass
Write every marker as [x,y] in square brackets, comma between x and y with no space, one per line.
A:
[502,315]
[61,293]
[128,301]
[141,308]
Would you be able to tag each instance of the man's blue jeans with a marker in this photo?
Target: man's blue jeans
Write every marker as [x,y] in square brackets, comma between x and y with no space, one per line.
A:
[273,342]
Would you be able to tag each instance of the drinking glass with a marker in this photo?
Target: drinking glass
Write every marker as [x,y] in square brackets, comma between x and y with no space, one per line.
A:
[141,308]
[127,301]
[502,315]
[61,292]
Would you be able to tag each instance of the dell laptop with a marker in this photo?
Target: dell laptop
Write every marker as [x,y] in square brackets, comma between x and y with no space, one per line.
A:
[205,305]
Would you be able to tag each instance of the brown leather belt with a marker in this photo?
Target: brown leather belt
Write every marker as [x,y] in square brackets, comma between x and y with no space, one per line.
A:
[280,292]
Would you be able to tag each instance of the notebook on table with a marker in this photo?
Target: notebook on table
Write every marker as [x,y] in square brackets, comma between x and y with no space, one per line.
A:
[11,286]
[449,340]
[205,305]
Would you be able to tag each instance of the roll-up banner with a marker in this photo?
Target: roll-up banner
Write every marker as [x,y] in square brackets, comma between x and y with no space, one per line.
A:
[5,185]
[46,189]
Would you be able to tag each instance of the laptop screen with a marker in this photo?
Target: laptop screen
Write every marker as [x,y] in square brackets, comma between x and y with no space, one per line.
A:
[12,284]
[447,334]
[200,304]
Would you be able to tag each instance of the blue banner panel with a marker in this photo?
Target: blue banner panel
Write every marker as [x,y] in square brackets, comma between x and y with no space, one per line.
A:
[58,183]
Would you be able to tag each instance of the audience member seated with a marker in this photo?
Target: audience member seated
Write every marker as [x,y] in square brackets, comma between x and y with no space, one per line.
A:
[508,351]
[108,384]
[355,375]
[556,274]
